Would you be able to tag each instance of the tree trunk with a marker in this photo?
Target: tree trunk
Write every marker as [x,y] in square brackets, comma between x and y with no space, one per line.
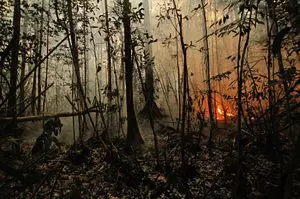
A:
[74,50]
[150,105]
[37,66]
[277,54]
[12,100]
[206,60]
[47,60]
[75,57]
[23,68]
[218,65]
[86,76]
[33,90]
[109,66]
[238,191]
[39,82]
[133,134]
[185,83]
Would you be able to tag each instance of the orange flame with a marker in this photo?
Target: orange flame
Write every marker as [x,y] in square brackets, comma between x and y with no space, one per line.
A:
[220,114]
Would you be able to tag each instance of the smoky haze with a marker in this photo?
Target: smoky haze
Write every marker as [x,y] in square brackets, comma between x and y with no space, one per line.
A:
[165,51]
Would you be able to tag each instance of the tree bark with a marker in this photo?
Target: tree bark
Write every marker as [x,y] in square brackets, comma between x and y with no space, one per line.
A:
[207,63]
[23,67]
[75,57]
[74,50]
[12,100]
[109,68]
[133,134]
[47,60]
[185,83]
[39,82]
[150,105]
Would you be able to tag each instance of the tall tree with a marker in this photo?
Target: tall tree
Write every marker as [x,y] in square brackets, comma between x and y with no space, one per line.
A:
[12,100]
[33,90]
[207,64]
[75,58]
[109,65]
[39,82]
[179,30]
[47,52]
[133,134]
[218,62]
[23,65]
[85,52]
[238,190]
[150,105]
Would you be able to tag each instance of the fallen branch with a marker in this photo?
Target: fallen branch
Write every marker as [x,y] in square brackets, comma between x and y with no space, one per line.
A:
[45,116]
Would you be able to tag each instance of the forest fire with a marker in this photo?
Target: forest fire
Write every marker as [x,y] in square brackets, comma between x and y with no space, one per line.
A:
[149,99]
[220,113]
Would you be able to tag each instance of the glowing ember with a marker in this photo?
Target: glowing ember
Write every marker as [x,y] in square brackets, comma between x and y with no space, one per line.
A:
[220,113]
[219,110]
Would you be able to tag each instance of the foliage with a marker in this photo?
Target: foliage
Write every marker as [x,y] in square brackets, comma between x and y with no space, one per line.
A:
[257,158]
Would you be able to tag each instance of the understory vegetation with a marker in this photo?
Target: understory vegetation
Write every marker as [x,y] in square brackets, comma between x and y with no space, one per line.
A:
[149,99]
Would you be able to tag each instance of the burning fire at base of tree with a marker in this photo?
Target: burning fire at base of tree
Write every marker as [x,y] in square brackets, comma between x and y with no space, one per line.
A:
[201,106]
[220,113]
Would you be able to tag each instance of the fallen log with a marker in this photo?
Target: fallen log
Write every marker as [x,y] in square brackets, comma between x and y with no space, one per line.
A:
[46,116]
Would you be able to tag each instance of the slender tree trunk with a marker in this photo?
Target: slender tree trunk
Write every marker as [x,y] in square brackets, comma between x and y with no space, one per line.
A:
[73,107]
[207,63]
[150,105]
[119,123]
[97,82]
[74,51]
[47,60]
[236,190]
[278,54]
[39,82]
[85,24]
[23,67]
[218,66]
[75,56]
[149,113]
[274,28]
[190,101]
[133,134]
[109,68]
[34,80]
[239,189]
[123,80]
[185,83]
[271,90]
[178,85]
[12,100]
[33,90]
[185,91]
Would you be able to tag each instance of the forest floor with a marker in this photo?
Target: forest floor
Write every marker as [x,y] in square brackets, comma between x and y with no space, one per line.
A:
[92,172]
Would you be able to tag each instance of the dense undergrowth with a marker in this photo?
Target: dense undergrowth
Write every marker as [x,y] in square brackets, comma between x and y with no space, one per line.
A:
[92,172]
